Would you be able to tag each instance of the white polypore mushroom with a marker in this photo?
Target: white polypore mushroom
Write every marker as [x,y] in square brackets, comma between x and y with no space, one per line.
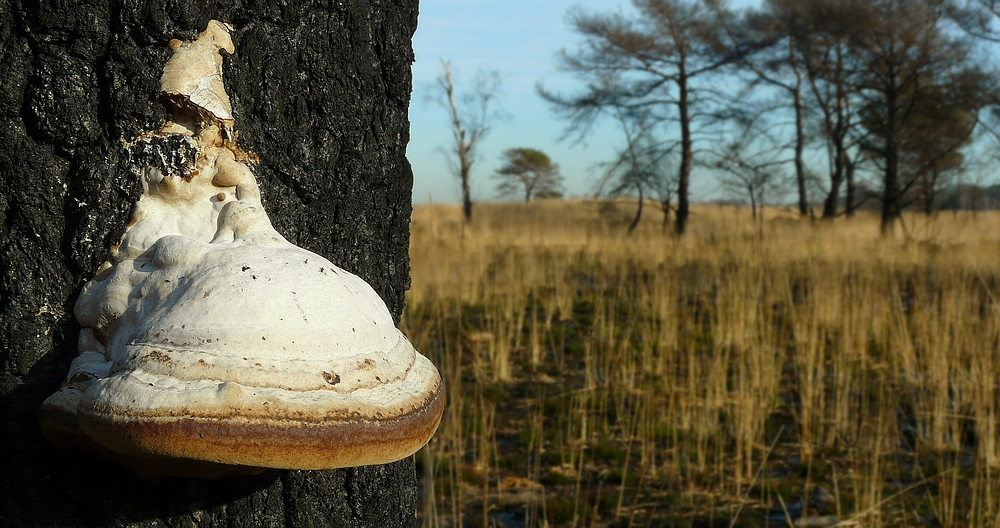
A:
[208,336]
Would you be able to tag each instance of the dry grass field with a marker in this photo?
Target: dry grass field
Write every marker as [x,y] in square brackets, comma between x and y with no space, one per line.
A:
[754,373]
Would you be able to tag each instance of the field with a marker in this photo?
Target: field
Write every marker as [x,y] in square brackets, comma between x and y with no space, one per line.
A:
[779,372]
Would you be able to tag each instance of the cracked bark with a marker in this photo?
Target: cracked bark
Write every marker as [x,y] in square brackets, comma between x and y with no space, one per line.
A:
[320,92]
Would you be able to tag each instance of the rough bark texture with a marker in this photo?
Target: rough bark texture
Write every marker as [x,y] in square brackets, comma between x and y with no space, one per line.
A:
[320,92]
[684,176]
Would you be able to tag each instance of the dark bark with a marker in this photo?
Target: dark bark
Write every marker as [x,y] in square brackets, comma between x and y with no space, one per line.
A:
[891,210]
[800,135]
[837,125]
[320,92]
[930,191]
[684,176]
[851,204]
[638,212]
[800,146]
[665,209]
[832,200]
[466,194]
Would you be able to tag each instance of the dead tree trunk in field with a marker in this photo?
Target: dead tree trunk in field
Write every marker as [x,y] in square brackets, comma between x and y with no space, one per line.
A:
[320,92]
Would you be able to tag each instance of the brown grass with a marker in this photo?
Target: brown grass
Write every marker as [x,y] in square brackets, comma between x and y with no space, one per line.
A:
[599,379]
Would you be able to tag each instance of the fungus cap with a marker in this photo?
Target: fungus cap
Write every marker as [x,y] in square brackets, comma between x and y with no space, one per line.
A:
[209,337]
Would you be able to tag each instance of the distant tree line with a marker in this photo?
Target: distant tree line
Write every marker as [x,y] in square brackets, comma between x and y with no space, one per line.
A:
[954,197]
[818,99]
[969,197]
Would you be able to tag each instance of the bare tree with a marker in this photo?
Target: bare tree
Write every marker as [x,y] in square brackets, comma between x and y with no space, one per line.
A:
[662,180]
[471,113]
[641,168]
[813,36]
[650,63]
[976,17]
[774,36]
[530,173]
[827,60]
[802,48]
[750,166]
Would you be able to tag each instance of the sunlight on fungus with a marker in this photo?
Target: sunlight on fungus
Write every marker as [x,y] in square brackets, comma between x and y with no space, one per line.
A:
[209,341]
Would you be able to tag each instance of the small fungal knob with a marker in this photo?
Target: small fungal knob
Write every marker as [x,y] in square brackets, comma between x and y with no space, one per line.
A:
[192,78]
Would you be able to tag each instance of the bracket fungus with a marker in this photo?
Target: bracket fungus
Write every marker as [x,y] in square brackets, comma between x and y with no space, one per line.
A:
[207,338]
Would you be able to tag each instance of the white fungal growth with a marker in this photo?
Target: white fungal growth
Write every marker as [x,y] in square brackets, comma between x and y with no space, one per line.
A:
[208,336]
[194,73]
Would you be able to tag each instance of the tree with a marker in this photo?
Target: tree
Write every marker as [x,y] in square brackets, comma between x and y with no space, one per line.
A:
[530,173]
[827,59]
[976,17]
[906,63]
[814,47]
[774,36]
[876,73]
[750,166]
[931,152]
[321,93]
[471,114]
[650,63]
[641,167]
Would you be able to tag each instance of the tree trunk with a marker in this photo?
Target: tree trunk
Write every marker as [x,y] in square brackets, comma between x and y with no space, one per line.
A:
[851,202]
[684,177]
[832,200]
[890,194]
[638,213]
[800,136]
[929,191]
[800,167]
[320,92]
[890,191]
[466,193]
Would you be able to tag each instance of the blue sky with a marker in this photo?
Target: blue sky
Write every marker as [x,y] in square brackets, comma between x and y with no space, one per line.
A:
[519,39]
